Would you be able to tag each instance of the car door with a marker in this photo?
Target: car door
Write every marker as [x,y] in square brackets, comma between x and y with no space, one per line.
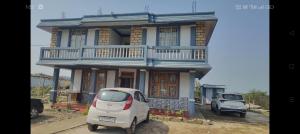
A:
[139,106]
[144,105]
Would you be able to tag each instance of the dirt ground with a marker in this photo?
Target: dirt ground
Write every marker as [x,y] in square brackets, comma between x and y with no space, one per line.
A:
[254,123]
[251,117]
[168,127]
[50,115]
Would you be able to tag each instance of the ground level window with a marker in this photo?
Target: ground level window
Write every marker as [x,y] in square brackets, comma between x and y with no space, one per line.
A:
[164,84]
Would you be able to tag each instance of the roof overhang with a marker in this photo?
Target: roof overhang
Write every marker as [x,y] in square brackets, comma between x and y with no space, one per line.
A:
[127,20]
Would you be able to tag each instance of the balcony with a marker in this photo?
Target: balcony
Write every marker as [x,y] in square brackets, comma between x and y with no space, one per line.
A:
[122,55]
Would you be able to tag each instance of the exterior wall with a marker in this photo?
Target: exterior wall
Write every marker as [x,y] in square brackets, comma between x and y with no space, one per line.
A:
[64,38]
[111,78]
[184,84]
[200,34]
[136,36]
[77,81]
[108,36]
[208,97]
[105,36]
[209,94]
[114,38]
[185,35]
[90,37]
[151,36]
[53,37]
[173,104]
[125,39]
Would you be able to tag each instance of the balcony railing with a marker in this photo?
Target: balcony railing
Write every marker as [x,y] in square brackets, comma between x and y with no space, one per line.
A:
[121,52]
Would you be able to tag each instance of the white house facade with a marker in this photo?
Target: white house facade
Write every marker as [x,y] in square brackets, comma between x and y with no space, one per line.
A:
[159,54]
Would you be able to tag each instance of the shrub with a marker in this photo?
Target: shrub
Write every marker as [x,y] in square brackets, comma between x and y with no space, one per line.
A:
[86,111]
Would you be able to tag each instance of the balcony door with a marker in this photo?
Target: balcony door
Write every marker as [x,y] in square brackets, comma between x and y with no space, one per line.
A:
[78,38]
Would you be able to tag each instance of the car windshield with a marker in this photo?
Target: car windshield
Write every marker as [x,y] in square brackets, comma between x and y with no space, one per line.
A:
[232,97]
[112,95]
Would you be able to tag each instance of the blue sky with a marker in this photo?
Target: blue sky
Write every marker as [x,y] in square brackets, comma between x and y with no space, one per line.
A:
[238,48]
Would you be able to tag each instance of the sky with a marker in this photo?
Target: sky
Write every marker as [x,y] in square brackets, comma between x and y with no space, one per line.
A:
[238,49]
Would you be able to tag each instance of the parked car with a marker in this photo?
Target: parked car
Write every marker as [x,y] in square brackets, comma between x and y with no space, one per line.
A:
[228,102]
[118,107]
[37,107]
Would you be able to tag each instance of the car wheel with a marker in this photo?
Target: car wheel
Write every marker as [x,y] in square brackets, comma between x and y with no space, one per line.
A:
[218,111]
[242,115]
[92,127]
[131,130]
[147,119]
[34,112]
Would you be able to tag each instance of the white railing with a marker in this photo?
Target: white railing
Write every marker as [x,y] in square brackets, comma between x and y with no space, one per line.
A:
[193,53]
[114,52]
[59,53]
[138,52]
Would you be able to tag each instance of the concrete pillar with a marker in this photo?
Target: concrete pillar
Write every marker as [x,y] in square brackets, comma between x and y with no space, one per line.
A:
[142,76]
[93,85]
[72,79]
[191,103]
[53,91]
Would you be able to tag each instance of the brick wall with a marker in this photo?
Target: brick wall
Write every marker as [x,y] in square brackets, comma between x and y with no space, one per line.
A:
[53,37]
[200,34]
[136,36]
[105,36]
[135,39]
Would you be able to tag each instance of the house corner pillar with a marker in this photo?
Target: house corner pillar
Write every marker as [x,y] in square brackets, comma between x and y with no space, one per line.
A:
[142,79]
[191,102]
[92,86]
[53,91]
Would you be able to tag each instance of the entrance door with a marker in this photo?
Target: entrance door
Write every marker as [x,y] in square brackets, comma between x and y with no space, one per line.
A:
[127,79]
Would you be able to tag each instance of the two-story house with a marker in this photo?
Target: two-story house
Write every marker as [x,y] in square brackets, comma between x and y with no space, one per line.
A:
[159,54]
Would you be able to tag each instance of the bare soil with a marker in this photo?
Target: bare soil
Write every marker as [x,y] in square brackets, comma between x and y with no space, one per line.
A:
[169,127]
[52,115]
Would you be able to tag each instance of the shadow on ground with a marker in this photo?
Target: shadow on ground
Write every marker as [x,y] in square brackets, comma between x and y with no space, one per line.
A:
[41,118]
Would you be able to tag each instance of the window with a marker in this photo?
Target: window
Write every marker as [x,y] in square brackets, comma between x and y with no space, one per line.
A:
[113,95]
[142,97]
[164,84]
[168,36]
[136,96]
[78,38]
[232,97]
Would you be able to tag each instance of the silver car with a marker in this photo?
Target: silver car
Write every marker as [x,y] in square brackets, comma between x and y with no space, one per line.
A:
[229,102]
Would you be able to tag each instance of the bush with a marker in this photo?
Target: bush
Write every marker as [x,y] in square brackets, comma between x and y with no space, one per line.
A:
[258,98]
[86,111]
[40,91]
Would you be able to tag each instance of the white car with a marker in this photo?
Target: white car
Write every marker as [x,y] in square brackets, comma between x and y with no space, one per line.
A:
[228,102]
[118,107]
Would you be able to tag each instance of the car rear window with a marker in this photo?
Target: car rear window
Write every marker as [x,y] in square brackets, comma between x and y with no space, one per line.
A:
[232,97]
[112,95]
